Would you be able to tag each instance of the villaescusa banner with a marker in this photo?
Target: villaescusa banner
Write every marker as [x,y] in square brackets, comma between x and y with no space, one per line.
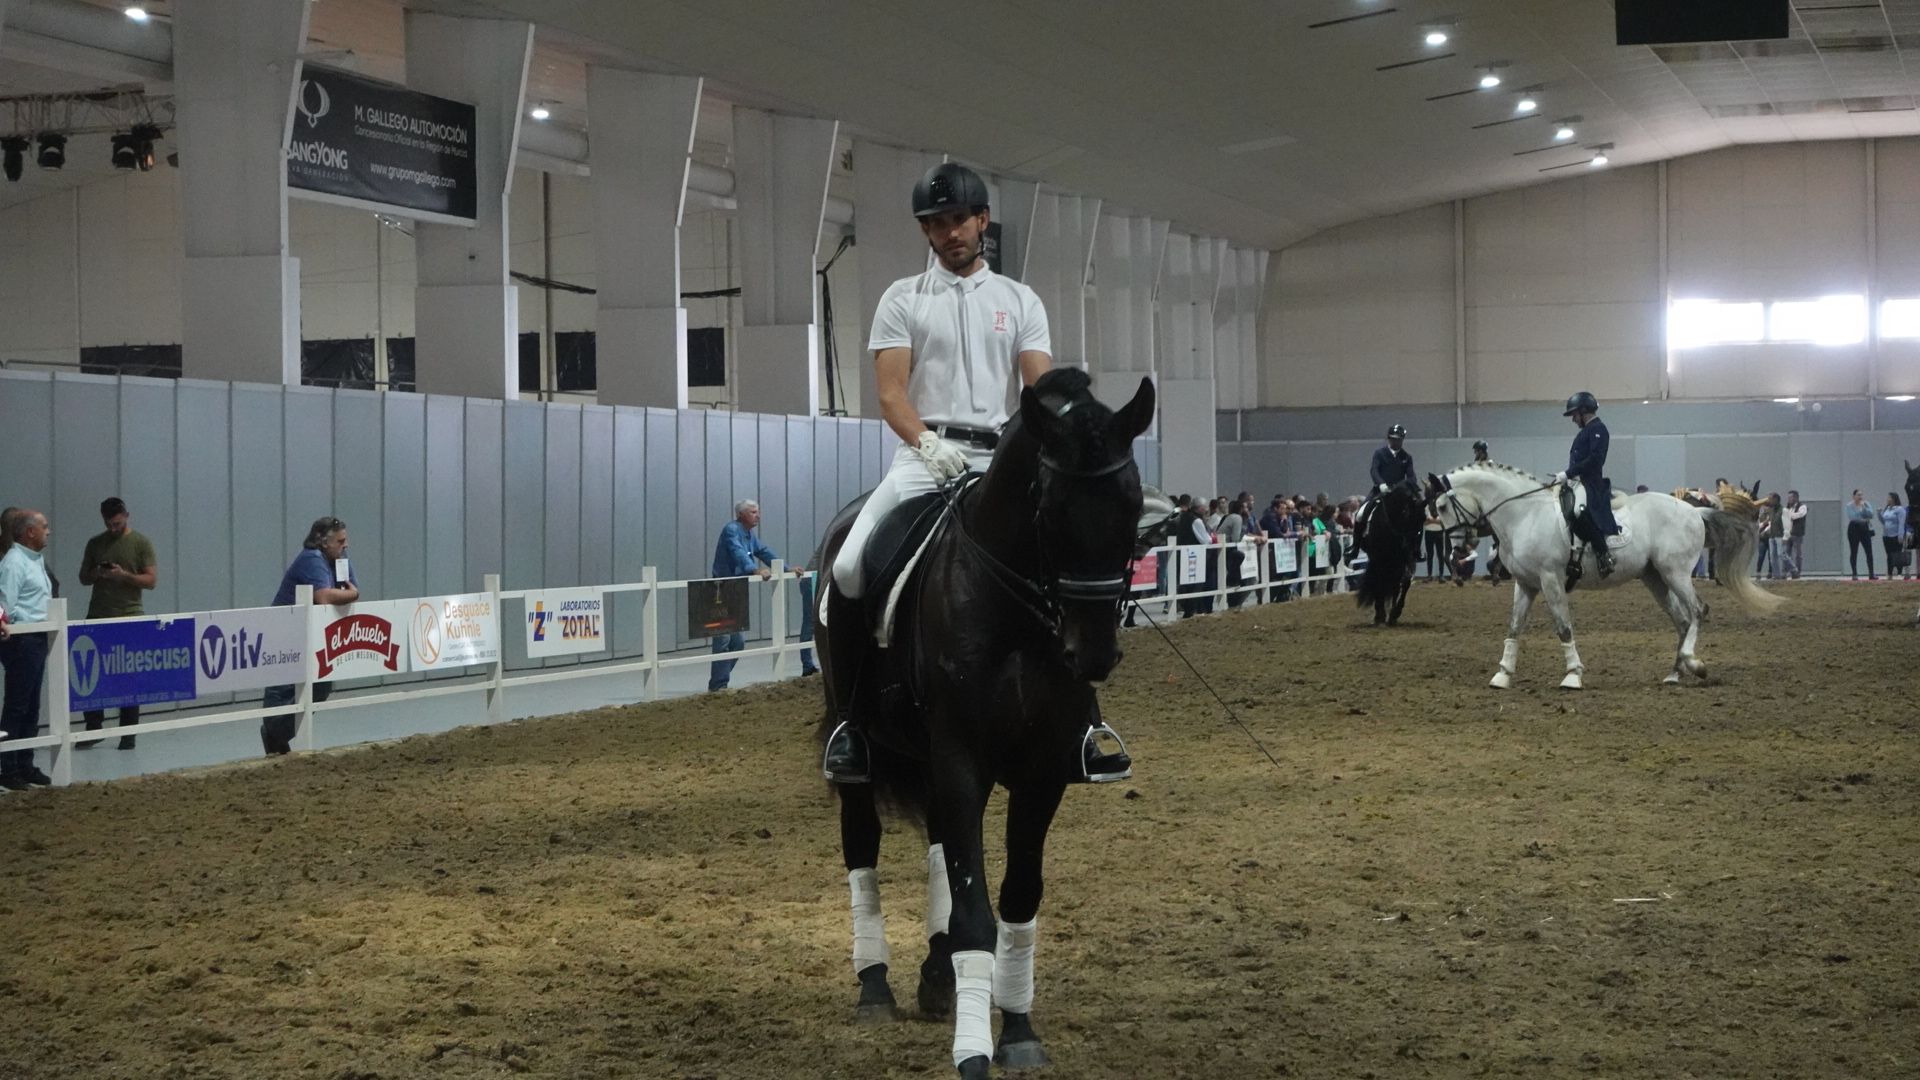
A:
[382,147]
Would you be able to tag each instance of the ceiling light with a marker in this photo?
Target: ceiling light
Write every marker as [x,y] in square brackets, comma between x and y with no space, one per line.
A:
[1436,37]
[1598,160]
[53,150]
[1786,401]
[137,14]
[1525,105]
[539,112]
[1899,397]
[13,149]
[1489,81]
[1563,134]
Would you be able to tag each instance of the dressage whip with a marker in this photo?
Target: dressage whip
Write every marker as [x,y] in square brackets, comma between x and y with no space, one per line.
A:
[1234,716]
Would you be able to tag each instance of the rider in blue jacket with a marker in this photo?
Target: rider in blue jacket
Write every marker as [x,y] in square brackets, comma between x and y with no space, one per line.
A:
[1392,465]
[1586,462]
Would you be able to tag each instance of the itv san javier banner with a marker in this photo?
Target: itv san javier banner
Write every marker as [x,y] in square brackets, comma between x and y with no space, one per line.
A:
[382,146]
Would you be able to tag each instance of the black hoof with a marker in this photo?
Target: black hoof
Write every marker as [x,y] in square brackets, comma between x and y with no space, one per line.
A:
[876,998]
[1019,1044]
[975,1068]
[935,997]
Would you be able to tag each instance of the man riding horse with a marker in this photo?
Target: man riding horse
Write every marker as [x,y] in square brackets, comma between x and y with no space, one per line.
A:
[1392,467]
[952,347]
[1593,496]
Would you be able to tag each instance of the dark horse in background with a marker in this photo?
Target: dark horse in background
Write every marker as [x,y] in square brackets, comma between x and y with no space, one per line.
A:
[1390,536]
[988,679]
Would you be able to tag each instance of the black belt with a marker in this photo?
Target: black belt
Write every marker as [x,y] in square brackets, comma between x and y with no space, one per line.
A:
[977,437]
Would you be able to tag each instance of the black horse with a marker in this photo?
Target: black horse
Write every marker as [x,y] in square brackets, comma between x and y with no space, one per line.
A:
[1391,538]
[988,679]
[1913,492]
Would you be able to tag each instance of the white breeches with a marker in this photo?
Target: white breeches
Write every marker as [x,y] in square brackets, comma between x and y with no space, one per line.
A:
[907,477]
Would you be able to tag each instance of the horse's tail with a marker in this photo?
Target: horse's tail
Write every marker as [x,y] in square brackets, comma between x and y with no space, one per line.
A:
[1733,535]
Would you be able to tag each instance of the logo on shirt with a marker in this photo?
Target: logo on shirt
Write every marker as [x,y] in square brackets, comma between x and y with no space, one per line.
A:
[999,322]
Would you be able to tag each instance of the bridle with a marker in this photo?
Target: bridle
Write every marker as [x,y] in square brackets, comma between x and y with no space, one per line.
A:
[1475,524]
[1041,597]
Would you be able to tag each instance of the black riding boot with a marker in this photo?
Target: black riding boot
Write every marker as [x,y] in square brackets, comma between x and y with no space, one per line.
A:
[848,638]
[1604,556]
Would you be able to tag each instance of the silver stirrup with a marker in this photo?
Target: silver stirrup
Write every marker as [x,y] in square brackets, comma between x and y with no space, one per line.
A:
[1092,739]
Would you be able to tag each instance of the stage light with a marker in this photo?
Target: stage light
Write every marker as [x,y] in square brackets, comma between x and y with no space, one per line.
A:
[144,136]
[13,154]
[123,154]
[53,150]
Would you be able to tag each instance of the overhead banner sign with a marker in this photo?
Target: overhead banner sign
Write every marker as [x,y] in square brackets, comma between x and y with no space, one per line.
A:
[369,640]
[250,649]
[144,662]
[561,622]
[454,631]
[382,146]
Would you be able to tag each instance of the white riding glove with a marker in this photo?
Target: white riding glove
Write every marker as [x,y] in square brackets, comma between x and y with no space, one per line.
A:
[1560,477]
[943,459]
[1383,489]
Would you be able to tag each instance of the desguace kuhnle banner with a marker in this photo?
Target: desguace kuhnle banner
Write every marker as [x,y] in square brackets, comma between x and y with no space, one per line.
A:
[385,147]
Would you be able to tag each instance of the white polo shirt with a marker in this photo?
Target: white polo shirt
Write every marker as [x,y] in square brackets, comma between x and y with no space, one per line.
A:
[966,335]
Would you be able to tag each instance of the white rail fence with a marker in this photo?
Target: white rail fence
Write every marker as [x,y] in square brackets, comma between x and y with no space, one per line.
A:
[1185,578]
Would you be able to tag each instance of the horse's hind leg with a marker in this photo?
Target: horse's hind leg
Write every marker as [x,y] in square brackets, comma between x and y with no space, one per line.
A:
[1400,598]
[860,845]
[1688,612]
[1029,814]
[1516,622]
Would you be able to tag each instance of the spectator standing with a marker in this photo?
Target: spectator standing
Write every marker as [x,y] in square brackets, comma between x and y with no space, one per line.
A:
[25,593]
[320,553]
[1435,534]
[1776,541]
[740,553]
[119,564]
[1191,531]
[1859,514]
[1232,530]
[1796,533]
[1893,534]
[1766,525]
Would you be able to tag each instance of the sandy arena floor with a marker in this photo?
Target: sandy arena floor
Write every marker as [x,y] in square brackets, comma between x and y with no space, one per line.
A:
[1429,884]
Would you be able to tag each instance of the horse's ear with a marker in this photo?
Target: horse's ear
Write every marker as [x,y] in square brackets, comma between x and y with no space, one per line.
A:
[1907,463]
[1136,416]
[1754,491]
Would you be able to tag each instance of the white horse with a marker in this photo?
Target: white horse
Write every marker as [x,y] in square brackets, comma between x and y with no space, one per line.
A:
[1662,540]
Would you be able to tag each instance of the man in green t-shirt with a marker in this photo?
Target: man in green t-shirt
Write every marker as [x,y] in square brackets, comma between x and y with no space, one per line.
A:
[120,564]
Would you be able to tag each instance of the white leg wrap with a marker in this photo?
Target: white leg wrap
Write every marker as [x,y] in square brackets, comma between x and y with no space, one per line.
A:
[939,895]
[972,1005]
[1573,656]
[1510,655]
[1013,967]
[869,925]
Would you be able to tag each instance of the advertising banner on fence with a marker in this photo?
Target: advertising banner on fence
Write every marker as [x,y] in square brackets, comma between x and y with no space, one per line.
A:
[1286,557]
[250,649]
[1193,565]
[130,663]
[454,631]
[561,622]
[382,146]
[717,607]
[368,640]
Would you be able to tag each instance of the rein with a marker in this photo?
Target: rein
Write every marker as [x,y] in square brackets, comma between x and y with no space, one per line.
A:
[1485,518]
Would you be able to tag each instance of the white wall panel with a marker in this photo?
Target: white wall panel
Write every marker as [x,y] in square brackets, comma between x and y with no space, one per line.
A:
[403,495]
[203,496]
[561,520]
[85,460]
[445,527]
[147,448]
[260,549]
[359,477]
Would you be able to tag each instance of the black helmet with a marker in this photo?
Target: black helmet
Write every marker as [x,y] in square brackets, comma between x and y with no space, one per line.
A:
[1479,444]
[1397,431]
[949,186]
[1581,402]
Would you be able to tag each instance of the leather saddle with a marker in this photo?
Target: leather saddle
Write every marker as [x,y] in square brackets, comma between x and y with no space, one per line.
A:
[1617,501]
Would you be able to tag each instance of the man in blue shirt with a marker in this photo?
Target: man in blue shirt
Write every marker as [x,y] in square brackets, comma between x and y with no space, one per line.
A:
[738,554]
[1586,462]
[25,593]
[320,553]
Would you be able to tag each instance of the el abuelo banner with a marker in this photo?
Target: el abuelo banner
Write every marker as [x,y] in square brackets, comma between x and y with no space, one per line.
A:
[454,631]
[382,147]
[358,641]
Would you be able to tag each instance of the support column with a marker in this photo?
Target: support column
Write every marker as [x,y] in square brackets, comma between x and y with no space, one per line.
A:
[1059,251]
[1188,453]
[890,245]
[1236,319]
[640,153]
[466,310]
[237,64]
[781,165]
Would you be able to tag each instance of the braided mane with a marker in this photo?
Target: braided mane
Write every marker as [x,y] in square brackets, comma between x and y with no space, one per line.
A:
[1497,466]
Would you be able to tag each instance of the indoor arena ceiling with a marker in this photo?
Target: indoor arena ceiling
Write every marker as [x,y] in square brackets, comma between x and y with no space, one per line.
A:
[1256,120]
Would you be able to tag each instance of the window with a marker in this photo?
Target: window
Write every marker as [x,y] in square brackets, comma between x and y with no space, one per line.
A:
[1693,323]
[1830,320]
[1900,318]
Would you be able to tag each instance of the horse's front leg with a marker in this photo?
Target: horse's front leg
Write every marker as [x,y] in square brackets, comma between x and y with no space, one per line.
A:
[1556,594]
[1030,811]
[1516,622]
[860,845]
[959,799]
[1400,597]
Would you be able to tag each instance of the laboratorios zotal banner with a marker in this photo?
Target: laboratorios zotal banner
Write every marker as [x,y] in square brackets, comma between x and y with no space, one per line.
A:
[382,146]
